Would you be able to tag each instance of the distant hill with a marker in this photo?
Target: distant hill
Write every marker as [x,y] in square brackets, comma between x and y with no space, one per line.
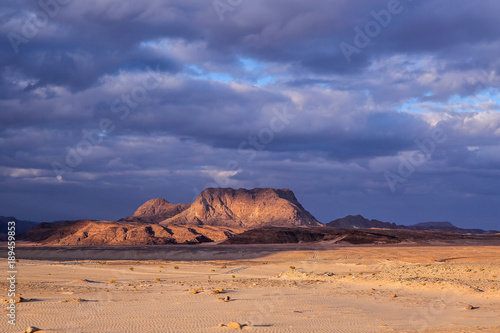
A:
[21,226]
[358,221]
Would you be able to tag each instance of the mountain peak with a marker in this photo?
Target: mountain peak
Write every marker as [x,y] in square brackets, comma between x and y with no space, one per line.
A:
[245,208]
[156,210]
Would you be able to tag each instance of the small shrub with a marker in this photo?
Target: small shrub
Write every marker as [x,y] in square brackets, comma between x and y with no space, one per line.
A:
[131,268]
[234,276]
[112,281]
[160,266]
[292,267]
[157,279]
[176,267]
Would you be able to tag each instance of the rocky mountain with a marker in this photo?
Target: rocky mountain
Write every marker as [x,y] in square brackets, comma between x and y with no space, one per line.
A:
[217,214]
[237,216]
[358,221]
[156,210]
[86,232]
[245,208]
[21,226]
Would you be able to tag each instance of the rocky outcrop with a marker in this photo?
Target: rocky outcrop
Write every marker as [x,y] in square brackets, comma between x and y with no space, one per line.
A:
[245,208]
[156,210]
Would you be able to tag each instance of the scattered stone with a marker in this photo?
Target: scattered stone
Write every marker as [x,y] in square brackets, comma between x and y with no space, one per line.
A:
[81,281]
[394,295]
[224,299]
[32,329]
[234,325]
[469,307]
[74,300]
[193,291]
[19,299]
[215,292]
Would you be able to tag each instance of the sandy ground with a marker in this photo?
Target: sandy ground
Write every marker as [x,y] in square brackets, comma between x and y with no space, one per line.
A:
[343,289]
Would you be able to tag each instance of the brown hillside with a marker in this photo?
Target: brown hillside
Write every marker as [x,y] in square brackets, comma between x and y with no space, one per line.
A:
[86,232]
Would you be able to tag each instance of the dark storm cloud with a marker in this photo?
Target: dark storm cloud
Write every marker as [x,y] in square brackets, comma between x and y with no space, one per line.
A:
[216,81]
[84,41]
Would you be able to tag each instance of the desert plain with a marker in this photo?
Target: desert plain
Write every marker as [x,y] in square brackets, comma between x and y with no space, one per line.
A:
[264,288]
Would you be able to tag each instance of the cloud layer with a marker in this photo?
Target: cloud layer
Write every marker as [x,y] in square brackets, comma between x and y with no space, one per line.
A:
[106,104]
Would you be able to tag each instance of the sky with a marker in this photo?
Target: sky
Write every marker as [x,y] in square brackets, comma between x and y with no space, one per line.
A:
[388,109]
